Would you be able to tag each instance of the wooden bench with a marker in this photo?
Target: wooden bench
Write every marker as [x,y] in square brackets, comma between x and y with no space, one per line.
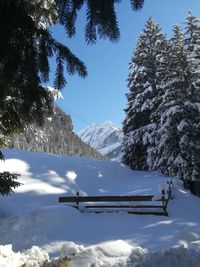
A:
[137,204]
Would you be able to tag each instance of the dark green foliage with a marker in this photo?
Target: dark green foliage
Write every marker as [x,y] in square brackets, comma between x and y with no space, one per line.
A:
[26,46]
[137,4]
[8,182]
[173,111]
[162,125]
[1,156]
[143,98]
[179,142]
[104,23]
[60,79]
[25,49]
[100,17]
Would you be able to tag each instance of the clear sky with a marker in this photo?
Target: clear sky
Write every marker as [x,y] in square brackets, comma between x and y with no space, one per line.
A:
[101,96]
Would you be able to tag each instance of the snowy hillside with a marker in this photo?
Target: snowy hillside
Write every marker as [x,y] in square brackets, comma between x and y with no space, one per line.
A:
[55,136]
[106,138]
[33,220]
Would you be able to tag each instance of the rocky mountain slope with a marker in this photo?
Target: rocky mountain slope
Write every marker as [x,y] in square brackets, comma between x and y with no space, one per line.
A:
[56,136]
[106,138]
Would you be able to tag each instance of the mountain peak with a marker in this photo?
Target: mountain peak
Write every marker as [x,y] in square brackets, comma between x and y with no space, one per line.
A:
[108,123]
[105,137]
[111,125]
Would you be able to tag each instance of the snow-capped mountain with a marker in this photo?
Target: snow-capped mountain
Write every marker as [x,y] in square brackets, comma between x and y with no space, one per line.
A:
[106,138]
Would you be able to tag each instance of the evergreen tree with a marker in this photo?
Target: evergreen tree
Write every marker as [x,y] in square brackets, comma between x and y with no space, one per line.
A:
[26,46]
[172,109]
[178,143]
[190,142]
[147,72]
[8,183]
[162,125]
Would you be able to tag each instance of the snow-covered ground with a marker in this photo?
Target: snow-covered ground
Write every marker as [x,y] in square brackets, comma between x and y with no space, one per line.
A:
[35,223]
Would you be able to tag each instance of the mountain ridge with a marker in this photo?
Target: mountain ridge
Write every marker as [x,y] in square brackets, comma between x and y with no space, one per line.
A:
[56,136]
[105,137]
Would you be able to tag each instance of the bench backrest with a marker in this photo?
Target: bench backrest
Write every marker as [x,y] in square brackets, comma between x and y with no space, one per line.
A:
[106,198]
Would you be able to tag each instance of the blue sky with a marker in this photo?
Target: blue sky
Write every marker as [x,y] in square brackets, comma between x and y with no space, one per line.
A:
[101,96]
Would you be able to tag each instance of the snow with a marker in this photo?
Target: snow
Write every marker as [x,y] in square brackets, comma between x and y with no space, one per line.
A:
[183,124]
[31,257]
[116,253]
[105,137]
[56,94]
[109,148]
[197,105]
[95,134]
[38,231]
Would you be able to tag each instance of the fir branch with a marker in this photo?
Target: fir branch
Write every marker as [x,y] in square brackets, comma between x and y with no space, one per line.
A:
[43,61]
[108,26]
[137,4]
[68,14]
[74,64]
[8,182]
[59,81]
[90,28]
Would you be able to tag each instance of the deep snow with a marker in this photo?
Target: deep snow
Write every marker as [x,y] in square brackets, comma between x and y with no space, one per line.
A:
[33,220]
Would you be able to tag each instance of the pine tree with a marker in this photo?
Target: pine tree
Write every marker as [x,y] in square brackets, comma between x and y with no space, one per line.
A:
[178,144]
[144,82]
[26,46]
[172,109]
[190,142]
[8,183]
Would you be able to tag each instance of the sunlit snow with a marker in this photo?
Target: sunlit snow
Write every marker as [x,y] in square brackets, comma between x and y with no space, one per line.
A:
[40,228]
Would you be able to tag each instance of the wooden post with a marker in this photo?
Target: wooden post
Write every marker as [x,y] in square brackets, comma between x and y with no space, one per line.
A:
[171,185]
[168,190]
[164,201]
[77,203]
